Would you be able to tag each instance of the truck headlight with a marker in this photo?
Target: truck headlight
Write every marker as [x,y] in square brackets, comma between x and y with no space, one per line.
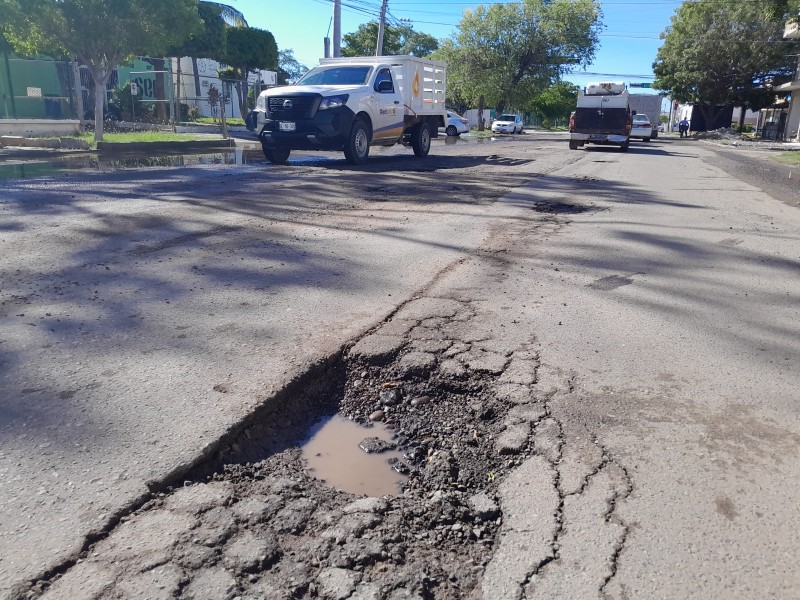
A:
[333,102]
[261,102]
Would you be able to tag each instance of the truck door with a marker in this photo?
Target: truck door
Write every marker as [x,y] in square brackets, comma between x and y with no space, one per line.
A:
[388,108]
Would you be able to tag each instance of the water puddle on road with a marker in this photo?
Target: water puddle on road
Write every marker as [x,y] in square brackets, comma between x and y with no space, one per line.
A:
[333,455]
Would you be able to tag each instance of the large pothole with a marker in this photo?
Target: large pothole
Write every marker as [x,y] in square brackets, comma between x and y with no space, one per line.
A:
[259,521]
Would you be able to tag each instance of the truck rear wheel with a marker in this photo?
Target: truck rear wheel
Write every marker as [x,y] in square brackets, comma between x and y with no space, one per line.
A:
[356,150]
[573,145]
[277,156]
[421,139]
[625,145]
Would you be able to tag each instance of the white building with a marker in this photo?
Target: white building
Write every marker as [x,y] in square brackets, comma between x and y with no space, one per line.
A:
[200,86]
[792,124]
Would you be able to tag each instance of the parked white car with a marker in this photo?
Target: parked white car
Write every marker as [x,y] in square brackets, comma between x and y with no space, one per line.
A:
[508,124]
[456,124]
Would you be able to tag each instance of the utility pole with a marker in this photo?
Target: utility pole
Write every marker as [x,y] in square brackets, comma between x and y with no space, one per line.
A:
[337,28]
[381,26]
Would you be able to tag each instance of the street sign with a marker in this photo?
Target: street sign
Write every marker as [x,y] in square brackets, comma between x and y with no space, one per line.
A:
[641,85]
[134,88]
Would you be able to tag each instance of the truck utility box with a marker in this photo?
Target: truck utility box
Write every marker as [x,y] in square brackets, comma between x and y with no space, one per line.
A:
[353,103]
[602,116]
[605,88]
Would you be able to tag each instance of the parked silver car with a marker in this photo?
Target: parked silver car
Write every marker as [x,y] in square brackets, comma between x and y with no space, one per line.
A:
[642,128]
[456,124]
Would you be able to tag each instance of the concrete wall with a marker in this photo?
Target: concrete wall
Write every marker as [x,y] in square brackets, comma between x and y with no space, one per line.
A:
[39,127]
[792,131]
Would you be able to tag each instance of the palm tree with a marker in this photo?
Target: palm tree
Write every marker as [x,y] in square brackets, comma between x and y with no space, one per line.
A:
[230,15]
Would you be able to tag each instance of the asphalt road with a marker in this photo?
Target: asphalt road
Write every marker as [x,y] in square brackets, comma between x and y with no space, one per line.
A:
[146,313]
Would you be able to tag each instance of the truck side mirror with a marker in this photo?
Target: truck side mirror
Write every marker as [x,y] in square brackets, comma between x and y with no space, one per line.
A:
[385,86]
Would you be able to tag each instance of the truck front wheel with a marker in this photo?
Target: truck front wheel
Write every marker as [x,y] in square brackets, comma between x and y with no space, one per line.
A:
[421,139]
[277,156]
[356,150]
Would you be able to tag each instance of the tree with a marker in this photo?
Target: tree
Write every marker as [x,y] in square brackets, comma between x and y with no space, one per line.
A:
[725,52]
[248,49]
[402,39]
[508,52]
[289,68]
[207,42]
[101,33]
[555,102]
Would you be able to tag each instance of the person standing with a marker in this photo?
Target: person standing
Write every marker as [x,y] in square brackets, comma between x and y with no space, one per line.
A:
[683,127]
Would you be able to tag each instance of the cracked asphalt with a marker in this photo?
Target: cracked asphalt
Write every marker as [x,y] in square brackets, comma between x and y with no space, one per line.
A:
[596,384]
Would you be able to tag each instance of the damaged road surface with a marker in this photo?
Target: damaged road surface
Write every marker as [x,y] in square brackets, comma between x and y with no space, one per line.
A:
[583,388]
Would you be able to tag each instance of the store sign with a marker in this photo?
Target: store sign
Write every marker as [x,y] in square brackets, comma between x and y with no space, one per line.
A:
[34,92]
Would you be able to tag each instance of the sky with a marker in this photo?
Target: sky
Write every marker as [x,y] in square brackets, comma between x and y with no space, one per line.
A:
[628,43]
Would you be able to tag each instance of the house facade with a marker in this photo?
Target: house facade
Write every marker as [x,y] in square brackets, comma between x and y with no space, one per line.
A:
[791,118]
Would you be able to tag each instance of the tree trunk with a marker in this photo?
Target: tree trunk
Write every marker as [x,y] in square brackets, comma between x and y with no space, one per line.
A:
[76,76]
[100,79]
[741,118]
[196,80]
[709,113]
[245,96]
[480,113]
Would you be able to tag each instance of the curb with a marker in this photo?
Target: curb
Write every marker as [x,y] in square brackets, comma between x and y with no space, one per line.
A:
[164,147]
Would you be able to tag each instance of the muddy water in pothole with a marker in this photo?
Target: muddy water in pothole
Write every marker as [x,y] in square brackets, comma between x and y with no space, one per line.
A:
[332,455]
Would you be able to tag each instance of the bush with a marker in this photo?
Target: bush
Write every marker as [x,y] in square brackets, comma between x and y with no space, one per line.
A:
[119,105]
[746,128]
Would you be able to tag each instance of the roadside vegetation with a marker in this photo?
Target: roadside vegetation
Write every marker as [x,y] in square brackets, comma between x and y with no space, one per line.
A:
[216,121]
[719,53]
[145,136]
[788,158]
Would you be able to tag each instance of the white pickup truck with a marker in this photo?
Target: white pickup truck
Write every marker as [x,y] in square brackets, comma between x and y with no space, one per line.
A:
[350,104]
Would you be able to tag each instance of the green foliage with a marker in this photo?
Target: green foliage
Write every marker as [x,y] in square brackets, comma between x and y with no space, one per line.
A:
[209,40]
[725,52]
[248,49]
[289,68]
[101,33]
[509,52]
[401,39]
[126,107]
[788,158]
[555,102]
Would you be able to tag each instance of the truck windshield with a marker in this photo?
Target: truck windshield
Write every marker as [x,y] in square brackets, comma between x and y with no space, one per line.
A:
[336,76]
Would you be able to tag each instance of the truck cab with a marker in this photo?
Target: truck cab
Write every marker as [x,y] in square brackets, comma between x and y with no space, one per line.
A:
[350,104]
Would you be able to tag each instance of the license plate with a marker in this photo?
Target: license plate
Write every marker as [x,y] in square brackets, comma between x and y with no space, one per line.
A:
[287,126]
